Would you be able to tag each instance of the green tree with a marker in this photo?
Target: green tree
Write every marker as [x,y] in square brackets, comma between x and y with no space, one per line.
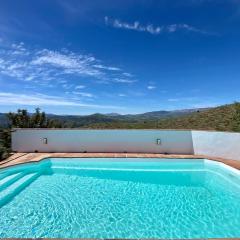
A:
[22,119]
[236,117]
[5,142]
[38,119]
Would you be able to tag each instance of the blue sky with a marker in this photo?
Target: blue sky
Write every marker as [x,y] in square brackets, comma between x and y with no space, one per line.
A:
[82,57]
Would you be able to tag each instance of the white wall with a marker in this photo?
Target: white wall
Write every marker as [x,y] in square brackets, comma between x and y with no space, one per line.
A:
[217,144]
[213,144]
[28,140]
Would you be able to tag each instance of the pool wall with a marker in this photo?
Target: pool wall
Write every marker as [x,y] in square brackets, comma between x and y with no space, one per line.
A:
[212,144]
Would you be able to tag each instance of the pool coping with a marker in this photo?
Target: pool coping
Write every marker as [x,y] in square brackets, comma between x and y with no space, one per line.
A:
[20,158]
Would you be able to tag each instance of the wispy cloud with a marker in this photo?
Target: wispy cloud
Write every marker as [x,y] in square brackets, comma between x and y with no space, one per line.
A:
[123,80]
[43,65]
[83,94]
[80,87]
[193,102]
[183,99]
[7,98]
[127,74]
[150,87]
[116,23]
[175,27]
[150,28]
[67,86]
[67,63]
[107,68]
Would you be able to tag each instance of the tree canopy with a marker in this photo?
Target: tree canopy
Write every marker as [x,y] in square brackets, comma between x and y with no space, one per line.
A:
[23,119]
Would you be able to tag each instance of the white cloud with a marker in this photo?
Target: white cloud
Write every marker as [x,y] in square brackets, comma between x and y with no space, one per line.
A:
[68,63]
[122,95]
[183,99]
[124,80]
[132,26]
[67,86]
[83,94]
[151,87]
[150,28]
[44,65]
[80,87]
[176,27]
[127,74]
[44,100]
[107,68]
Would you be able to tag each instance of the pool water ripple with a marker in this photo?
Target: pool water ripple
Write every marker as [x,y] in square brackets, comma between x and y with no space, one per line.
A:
[123,204]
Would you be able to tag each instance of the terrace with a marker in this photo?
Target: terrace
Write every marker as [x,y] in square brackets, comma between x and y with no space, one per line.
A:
[183,161]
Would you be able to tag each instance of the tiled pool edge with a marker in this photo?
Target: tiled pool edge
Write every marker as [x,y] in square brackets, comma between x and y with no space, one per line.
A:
[20,158]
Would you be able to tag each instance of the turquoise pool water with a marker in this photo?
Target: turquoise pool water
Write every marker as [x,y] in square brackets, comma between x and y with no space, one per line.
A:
[120,198]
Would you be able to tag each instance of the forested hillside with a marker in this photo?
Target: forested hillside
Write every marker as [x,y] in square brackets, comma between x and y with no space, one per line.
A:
[223,118]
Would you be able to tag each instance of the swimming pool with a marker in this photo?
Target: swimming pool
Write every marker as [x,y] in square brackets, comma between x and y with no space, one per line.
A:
[120,198]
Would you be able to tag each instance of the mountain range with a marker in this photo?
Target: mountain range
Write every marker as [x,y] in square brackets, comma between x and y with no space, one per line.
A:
[222,118]
[86,120]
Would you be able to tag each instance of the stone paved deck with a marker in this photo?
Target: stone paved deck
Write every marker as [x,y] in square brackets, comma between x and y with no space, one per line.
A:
[19,158]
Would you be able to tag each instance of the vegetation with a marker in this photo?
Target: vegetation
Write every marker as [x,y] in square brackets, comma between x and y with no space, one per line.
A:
[223,118]
[22,119]
[236,118]
[5,143]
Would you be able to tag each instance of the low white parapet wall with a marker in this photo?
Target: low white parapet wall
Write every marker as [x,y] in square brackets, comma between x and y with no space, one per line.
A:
[75,140]
[217,144]
[213,144]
